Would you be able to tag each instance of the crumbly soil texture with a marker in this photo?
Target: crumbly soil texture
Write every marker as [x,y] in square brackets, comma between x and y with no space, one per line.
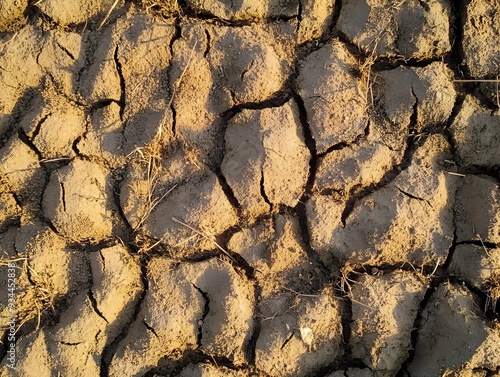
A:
[250,188]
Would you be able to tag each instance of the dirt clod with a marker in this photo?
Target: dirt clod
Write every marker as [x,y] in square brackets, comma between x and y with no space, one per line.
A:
[264,149]
[478,210]
[333,96]
[381,330]
[80,193]
[454,337]
[482,24]
[476,135]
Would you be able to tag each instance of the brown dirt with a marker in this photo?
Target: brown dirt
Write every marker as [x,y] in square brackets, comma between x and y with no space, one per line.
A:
[271,188]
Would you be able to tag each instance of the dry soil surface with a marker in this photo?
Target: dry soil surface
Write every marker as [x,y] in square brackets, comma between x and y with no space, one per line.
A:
[250,188]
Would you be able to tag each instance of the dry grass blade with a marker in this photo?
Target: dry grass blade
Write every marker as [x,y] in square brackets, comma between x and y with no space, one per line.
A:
[482,244]
[108,14]
[491,81]
[5,262]
[479,80]
[152,203]
[360,303]
[43,293]
[299,294]
[436,267]
[493,292]
[178,82]
[204,235]
[457,174]
[45,160]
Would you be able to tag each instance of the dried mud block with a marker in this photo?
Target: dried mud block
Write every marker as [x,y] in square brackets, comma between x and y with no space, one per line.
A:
[409,29]
[100,81]
[476,135]
[10,211]
[76,343]
[275,249]
[390,227]
[454,338]
[12,15]
[200,204]
[482,26]
[20,171]
[80,193]
[187,306]
[287,259]
[104,138]
[20,74]
[266,161]
[333,96]
[116,286]
[62,272]
[209,370]
[41,106]
[298,334]
[354,167]
[62,57]
[425,178]
[53,123]
[75,11]
[316,16]
[147,180]
[401,93]
[409,220]
[195,104]
[216,68]
[324,214]
[255,61]
[435,94]
[33,358]
[55,133]
[478,210]
[245,9]
[383,311]
[227,326]
[253,243]
[480,266]
[79,338]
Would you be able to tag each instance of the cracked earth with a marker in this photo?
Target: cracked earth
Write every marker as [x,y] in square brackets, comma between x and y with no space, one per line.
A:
[273,188]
